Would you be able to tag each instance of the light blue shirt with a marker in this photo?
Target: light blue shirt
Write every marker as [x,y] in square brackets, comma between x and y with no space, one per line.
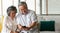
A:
[26,20]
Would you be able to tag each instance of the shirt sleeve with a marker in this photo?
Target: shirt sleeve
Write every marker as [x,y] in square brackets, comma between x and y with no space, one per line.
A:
[17,20]
[33,17]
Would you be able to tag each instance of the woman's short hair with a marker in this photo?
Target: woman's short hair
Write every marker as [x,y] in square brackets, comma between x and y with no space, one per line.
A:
[11,8]
[22,3]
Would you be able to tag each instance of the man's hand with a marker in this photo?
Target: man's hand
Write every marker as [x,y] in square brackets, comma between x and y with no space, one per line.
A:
[11,32]
[26,28]
[16,32]
[23,27]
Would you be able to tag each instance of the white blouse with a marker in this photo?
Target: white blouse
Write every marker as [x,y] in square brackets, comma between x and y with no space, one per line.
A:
[9,25]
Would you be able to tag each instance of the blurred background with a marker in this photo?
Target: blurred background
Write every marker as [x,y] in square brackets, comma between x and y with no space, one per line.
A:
[46,10]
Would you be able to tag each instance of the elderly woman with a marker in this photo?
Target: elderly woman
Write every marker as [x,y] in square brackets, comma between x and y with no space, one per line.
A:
[9,24]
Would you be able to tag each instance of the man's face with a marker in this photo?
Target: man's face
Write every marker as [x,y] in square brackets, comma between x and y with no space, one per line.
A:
[22,9]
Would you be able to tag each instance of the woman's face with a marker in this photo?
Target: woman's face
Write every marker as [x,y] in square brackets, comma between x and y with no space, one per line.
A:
[12,14]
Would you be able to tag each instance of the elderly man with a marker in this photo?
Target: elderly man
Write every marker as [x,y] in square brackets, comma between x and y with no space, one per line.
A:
[26,19]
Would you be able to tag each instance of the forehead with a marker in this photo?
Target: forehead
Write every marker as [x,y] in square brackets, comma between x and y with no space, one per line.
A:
[12,11]
[22,6]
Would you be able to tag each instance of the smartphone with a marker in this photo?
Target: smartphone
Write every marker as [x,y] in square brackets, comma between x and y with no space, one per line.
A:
[24,26]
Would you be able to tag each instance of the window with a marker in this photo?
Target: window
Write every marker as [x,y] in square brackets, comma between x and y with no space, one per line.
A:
[50,7]
[4,4]
[0,7]
[43,6]
[53,6]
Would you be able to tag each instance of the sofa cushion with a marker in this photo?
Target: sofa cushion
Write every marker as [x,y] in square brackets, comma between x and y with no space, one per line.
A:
[47,25]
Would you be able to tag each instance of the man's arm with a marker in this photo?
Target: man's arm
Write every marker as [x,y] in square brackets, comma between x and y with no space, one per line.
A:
[33,25]
[34,21]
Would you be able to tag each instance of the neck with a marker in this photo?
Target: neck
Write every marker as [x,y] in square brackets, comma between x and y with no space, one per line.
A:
[12,18]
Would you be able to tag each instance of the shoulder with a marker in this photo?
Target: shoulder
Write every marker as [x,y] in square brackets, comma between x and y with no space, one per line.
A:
[18,15]
[31,11]
[6,17]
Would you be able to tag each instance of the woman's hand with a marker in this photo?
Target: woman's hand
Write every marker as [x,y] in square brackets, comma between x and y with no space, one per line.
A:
[14,32]
[20,27]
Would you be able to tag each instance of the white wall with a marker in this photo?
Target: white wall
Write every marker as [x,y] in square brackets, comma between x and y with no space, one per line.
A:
[0,7]
[54,6]
[5,5]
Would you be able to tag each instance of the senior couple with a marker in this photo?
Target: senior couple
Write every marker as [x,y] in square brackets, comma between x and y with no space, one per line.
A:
[24,22]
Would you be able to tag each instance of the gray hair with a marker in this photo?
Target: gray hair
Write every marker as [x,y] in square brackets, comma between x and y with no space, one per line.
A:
[11,8]
[22,3]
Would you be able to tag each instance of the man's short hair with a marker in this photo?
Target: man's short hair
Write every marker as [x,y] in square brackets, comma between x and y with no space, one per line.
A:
[23,4]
